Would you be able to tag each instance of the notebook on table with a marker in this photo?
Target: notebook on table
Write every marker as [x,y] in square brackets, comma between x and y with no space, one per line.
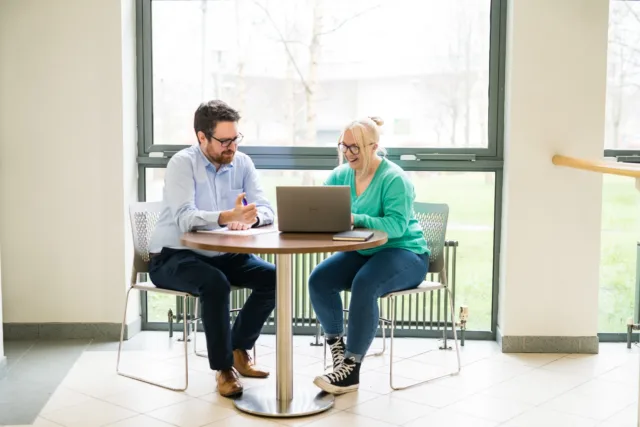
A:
[354,235]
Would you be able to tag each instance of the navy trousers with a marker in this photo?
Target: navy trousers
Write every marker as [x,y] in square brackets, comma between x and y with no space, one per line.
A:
[211,279]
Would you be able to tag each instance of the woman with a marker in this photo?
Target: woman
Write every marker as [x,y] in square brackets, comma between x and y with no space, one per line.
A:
[381,198]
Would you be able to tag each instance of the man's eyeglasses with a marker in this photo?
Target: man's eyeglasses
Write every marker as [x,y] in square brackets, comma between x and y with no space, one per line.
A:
[227,142]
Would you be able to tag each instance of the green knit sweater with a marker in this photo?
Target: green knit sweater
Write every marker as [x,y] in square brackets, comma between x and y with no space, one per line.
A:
[386,205]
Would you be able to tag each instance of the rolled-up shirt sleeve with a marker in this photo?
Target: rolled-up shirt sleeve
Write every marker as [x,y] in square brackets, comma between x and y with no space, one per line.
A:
[179,195]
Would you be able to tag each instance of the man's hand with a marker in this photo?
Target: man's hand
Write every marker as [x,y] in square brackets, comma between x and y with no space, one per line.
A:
[243,214]
[238,226]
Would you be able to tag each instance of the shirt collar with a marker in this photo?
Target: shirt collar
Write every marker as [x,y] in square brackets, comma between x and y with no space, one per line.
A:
[208,164]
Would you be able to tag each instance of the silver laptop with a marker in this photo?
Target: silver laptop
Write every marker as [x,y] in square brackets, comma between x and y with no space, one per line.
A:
[314,209]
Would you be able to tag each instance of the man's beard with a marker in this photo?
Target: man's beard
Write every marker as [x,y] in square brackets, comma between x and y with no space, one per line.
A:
[224,158]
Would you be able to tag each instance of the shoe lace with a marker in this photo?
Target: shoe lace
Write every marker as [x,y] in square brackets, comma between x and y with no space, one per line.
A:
[229,374]
[337,352]
[341,373]
[247,355]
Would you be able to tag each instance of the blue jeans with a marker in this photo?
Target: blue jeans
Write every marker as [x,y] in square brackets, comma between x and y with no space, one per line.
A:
[368,278]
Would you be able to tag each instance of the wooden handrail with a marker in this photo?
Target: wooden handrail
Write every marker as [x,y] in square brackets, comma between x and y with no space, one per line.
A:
[624,169]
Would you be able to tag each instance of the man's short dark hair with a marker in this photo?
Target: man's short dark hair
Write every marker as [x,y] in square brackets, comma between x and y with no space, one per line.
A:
[209,114]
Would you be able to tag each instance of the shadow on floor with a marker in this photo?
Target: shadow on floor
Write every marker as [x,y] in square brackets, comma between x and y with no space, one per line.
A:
[34,371]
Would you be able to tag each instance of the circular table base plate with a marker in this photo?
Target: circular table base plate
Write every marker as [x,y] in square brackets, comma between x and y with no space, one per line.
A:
[307,400]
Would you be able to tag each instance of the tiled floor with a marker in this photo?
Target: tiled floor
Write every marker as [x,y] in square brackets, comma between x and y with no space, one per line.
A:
[493,389]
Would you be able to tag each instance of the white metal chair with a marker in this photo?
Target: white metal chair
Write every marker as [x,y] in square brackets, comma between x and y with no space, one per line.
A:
[144,216]
[433,220]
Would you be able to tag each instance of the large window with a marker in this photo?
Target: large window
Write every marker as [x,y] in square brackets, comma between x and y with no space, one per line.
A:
[621,201]
[470,196]
[623,76]
[299,70]
[620,232]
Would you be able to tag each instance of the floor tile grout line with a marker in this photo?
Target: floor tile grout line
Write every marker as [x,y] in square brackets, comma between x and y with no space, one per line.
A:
[51,421]
[350,410]
[538,406]
[482,390]
[377,419]
[144,415]
[622,410]
[577,386]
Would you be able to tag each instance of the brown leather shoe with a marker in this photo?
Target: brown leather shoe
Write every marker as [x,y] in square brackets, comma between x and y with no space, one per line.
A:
[244,365]
[228,383]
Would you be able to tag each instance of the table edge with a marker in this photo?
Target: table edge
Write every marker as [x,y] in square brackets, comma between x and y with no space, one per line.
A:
[370,244]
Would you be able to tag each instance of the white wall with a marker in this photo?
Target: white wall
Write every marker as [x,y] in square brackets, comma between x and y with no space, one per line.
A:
[555,100]
[67,158]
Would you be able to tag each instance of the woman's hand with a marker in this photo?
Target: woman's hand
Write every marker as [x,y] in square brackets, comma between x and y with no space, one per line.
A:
[351,219]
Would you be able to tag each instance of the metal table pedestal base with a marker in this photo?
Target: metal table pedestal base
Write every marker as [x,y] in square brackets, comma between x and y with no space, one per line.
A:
[307,400]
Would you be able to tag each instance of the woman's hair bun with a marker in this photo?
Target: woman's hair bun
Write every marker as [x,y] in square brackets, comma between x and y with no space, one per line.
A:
[377,120]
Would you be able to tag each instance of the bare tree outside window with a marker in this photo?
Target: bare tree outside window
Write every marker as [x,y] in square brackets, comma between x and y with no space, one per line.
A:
[299,70]
[623,76]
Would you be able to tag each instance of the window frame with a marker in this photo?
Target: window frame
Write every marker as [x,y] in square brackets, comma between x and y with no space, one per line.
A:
[622,155]
[462,159]
[493,151]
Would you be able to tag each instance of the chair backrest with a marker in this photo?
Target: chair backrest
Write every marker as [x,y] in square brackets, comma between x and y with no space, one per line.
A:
[433,219]
[144,217]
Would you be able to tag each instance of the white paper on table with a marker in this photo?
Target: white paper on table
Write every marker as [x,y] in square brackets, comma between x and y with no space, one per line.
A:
[249,232]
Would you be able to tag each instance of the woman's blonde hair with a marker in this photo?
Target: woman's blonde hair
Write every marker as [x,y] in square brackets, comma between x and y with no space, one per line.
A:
[366,133]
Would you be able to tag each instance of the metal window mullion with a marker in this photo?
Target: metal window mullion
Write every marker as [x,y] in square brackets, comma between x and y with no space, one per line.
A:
[145,110]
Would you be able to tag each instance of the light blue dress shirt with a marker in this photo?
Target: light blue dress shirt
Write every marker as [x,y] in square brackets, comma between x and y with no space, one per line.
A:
[195,193]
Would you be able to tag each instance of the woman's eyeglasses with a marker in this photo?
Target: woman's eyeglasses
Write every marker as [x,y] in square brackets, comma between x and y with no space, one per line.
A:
[353,148]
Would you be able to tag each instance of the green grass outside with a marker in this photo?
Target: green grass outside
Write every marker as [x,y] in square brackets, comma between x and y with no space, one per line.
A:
[470,198]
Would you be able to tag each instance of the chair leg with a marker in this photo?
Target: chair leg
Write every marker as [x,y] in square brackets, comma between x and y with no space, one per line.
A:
[124,321]
[324,349]
[455,335]
[384,341]
[382,321]
[445,344]
[186,354]
[383,325]
[195,334]
[392,316]
[455,339]
[324,352]
[186,346]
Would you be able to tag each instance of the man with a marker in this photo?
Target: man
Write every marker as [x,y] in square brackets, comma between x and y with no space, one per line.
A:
[208,186]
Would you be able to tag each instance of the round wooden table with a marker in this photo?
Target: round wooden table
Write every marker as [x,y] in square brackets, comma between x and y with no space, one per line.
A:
[281,402]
